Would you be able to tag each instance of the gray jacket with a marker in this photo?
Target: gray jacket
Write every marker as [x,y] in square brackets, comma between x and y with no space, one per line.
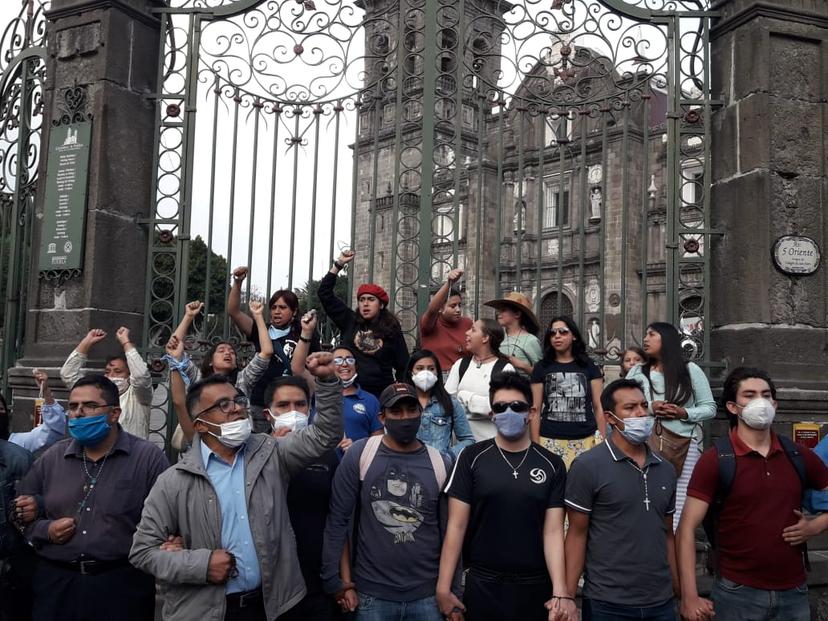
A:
[183,502]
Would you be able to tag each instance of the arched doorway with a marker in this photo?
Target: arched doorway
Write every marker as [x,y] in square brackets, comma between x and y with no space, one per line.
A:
[549,308]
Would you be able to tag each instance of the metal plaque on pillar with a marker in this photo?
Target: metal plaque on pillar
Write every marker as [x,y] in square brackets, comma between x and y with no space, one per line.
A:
[65,205]
[796,255]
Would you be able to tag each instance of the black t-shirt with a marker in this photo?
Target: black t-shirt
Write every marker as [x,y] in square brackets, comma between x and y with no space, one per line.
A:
[505,531]
[567,399]
[308,499]
[283,349]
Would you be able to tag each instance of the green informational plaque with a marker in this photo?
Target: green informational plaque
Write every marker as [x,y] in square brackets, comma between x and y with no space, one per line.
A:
[64,211]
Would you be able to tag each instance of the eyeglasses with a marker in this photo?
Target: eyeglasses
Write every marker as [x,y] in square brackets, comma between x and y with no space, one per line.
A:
[561,331]
[228,406]
[87,407]
[339,360]
[498,407]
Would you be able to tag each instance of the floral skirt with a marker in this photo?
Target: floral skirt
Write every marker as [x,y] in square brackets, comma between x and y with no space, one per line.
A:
[569,449]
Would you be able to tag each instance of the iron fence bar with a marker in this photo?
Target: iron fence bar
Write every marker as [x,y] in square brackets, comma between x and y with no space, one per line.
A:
[706,316]
[354,184]
[625,218]
[481,99]
[277,116]
[602,242]
[335,182]
[584,200]
[209,268]
[562,142]
[673,172]
[541,189]
[398,149]
[254,173]
[426,195]
[459,59]
[645,202]
[231,215]
[317,116]
[295,143]
[520,206]
[377,99]
[501,105]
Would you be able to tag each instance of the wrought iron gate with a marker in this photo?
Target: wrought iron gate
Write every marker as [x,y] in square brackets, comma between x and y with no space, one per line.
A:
[22,72]
[559,147]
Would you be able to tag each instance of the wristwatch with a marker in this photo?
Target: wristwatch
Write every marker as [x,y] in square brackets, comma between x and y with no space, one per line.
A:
[339,265]
[304,340]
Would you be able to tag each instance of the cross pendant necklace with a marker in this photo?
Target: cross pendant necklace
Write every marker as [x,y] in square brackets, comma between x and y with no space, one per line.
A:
[514,468]
[646,487]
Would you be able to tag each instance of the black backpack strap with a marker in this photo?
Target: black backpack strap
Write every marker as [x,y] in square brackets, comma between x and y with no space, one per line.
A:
[727,466]
[797,460]
[727,473]
[464,366]
[499,365]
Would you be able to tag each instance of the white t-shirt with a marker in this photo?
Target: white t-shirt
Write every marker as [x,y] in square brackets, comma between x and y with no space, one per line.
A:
[473,392]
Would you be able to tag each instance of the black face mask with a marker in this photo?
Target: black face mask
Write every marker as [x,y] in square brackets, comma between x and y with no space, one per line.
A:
[403,430]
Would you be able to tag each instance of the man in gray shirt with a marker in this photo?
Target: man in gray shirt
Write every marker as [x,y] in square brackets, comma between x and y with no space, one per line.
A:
[392,484]
[620,499]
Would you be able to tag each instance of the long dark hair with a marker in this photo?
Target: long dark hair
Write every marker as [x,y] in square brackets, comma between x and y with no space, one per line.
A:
[439,389]
[678,387]
[494,331]
[579,352]
[292,301]
[206,366]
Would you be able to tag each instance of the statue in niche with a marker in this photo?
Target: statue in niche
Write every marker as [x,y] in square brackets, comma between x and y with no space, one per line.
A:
[594,333]
[595,205]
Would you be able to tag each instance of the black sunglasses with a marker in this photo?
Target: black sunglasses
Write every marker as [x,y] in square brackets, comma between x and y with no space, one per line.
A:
[516,406]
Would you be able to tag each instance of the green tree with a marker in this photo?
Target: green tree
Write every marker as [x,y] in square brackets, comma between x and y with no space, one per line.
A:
[197,276]
[309,298]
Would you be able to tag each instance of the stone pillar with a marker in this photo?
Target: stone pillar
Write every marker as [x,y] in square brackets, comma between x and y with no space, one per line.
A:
[770,178]
[110,49]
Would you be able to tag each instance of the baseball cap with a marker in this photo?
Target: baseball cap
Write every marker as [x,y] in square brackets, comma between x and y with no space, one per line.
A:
[396,392]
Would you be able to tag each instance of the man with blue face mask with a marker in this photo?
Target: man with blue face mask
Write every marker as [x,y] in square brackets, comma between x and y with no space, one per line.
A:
[757,529]
[506,515]
[93,486]
[620,499]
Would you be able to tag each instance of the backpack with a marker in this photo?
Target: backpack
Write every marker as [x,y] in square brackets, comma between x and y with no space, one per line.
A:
[727,474]
[497,370]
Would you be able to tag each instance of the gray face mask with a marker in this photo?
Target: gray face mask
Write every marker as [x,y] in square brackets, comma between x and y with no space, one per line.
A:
[636,429]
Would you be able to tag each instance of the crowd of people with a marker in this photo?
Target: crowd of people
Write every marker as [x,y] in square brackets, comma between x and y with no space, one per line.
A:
[490,475]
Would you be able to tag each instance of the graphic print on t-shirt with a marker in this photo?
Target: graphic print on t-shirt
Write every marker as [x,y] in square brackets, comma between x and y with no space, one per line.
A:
[367,342]
[397,502]
[565,397]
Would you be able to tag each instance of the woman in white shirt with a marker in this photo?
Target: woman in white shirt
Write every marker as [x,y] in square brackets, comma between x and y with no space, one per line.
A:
[469,378]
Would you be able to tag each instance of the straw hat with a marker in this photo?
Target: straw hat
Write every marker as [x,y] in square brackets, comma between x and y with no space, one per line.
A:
[515,300]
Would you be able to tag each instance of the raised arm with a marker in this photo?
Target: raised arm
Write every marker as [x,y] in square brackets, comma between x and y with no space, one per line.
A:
[438,301]
[72,369]
[139,374]
[336,309]
[242,320]
[53,416]
[299,449]
[300,354]
[191,311]
[256,368]
[178,389]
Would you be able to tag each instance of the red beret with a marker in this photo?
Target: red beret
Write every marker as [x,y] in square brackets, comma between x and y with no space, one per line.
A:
[370,288]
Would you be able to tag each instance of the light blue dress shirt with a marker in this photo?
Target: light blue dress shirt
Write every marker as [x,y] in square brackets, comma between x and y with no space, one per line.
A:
[236,538]
[51,430]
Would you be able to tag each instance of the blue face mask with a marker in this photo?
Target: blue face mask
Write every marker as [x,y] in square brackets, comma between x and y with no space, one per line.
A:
[510,424]
[89,431]
[636,429]
[276,333]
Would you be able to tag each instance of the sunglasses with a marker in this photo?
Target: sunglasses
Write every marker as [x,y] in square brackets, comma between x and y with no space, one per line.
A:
[520,407]
[561,331]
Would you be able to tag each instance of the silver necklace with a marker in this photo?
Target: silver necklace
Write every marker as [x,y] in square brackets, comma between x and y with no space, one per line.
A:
[646,489]
[92,480]
[479,362]
[514,468]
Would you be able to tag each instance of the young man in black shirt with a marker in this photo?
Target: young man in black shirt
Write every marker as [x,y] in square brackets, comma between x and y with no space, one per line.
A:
[506,499]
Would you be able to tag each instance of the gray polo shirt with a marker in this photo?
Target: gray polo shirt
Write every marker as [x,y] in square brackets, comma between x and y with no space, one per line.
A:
[626,555]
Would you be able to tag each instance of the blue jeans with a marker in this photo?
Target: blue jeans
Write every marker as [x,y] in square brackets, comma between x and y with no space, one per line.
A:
[595,610]
[736,602]
[375,609]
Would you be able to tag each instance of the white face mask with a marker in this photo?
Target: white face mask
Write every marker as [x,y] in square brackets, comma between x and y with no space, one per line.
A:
[293,420]
[233,434]
[424,380]
[758,414]
[121,383]
[349,382]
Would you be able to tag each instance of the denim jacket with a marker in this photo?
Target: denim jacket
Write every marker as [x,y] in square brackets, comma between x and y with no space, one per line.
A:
[436,428]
